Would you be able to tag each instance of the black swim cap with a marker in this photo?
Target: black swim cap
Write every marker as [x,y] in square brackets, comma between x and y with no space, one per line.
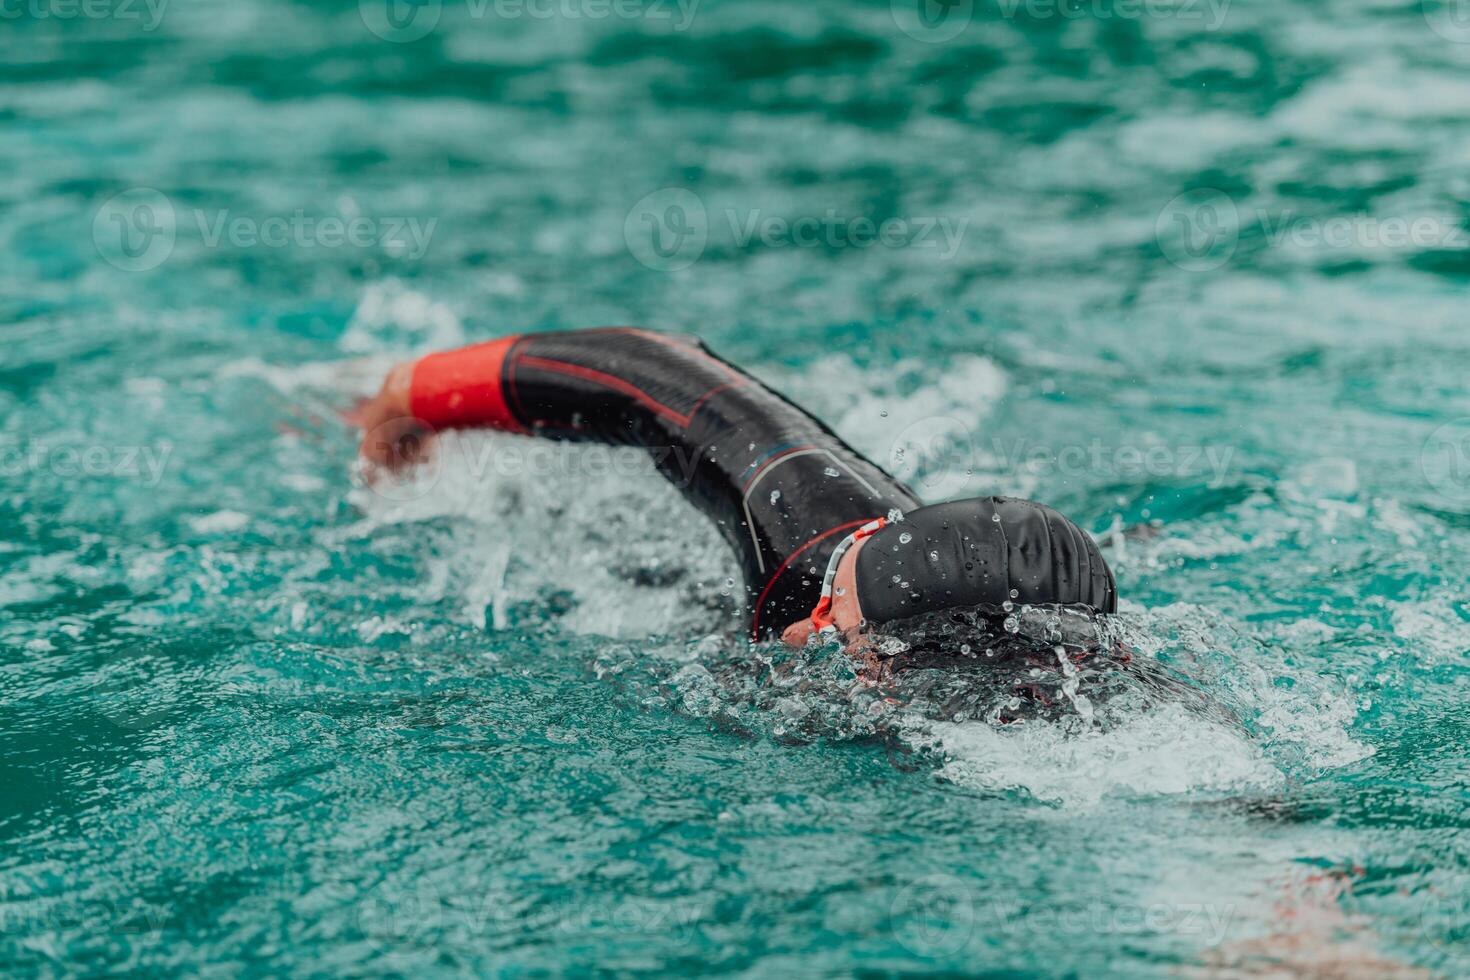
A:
[979,552]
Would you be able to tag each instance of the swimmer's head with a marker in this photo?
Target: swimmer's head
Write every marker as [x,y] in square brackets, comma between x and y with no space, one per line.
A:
[984,551]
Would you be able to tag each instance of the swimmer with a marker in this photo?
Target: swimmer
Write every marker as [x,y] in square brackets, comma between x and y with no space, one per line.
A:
[827,541]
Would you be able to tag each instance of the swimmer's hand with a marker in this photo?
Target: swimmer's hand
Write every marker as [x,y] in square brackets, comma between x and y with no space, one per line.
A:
[391,437]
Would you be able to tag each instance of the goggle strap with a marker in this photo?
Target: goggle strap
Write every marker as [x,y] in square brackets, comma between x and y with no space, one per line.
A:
[822,612]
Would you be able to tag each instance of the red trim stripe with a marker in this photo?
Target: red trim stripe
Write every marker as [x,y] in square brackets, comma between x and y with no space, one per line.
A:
[713,391]
[607,381]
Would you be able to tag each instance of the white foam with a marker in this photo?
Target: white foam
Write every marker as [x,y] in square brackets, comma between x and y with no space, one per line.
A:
[921,424]
[1165,752]
[390,317]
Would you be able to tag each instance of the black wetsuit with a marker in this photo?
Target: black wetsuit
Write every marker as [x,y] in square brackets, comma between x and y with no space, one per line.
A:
[782,487]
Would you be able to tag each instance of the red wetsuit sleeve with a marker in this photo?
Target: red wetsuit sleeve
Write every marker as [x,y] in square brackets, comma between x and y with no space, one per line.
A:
[463,387]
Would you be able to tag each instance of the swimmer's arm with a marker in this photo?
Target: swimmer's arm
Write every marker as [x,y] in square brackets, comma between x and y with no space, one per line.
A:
[612,384]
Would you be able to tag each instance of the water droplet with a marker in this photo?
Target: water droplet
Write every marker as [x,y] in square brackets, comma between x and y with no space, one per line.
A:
[905,538]
[896,578]
[884,413]
[1012,625]
[841,591]
[1015,594]
[775,496]
[831,473]
[995,518]
[965,649]
[895,515]
[1008,605]
[904,585]
[969,566]
[933,556]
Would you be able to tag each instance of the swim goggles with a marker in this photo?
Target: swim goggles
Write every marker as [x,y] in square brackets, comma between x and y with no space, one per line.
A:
[822,612]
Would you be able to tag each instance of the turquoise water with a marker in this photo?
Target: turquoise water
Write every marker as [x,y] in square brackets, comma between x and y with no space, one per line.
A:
[1196,276]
